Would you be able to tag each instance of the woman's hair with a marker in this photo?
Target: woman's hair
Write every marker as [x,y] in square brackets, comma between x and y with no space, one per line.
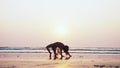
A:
[66,48]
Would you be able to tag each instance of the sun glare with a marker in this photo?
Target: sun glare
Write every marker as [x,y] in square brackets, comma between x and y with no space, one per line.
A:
[61,30]
[62,66]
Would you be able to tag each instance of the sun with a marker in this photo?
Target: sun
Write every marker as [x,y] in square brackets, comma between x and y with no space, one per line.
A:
[61,30]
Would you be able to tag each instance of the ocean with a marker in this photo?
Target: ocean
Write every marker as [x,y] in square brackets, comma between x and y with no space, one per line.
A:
[42,53]
[85,50]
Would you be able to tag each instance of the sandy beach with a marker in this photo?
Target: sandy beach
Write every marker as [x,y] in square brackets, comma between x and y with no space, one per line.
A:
[42,61]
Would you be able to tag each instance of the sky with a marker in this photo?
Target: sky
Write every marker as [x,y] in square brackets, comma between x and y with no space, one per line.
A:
[76,23]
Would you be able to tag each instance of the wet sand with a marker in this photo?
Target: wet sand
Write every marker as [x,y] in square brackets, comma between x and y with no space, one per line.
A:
[42,61]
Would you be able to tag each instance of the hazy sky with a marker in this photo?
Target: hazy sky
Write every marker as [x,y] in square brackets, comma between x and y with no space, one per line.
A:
[77,23]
